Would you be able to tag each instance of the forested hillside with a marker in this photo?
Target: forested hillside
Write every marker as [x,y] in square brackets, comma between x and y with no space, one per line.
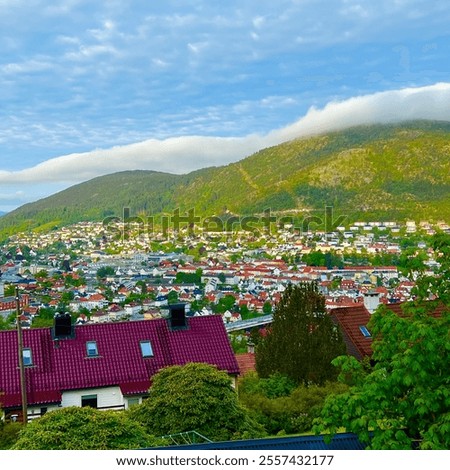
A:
[381,171]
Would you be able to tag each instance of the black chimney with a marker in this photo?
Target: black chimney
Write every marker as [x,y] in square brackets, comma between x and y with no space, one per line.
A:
[62,326]
[177,316]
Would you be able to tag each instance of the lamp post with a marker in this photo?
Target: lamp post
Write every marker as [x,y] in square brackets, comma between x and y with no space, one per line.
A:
[23,385]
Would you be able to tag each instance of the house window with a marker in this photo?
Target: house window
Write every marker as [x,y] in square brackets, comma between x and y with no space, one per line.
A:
[146,349]
[133,401]
[89,400]
[365,332]
[91,348]
[27,359]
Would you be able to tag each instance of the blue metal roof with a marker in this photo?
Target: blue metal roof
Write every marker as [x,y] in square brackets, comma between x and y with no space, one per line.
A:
[344,441]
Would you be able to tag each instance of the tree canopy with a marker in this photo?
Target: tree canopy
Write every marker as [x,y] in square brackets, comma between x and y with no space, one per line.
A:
[280,406]
[75,428]
[403,400]
[302,340]
[105,271]
[195,397]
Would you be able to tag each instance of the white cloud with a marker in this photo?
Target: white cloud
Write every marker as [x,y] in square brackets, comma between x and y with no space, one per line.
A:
[430,102]
[11,196]
[258,22]
[184,154]
[86,52]
[38,64]
[196,48]
[177,155]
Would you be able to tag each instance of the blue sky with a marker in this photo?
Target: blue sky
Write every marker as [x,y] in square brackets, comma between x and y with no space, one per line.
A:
[92,87]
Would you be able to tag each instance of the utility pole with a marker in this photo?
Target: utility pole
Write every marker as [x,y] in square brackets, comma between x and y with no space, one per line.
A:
[23,384]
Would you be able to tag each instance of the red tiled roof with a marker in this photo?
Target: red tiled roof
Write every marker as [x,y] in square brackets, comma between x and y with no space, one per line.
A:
[349,320]
[131,388]
[246,362]
[65,366]
[37,398]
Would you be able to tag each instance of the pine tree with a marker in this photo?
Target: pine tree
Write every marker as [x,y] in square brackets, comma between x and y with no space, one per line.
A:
[303,340]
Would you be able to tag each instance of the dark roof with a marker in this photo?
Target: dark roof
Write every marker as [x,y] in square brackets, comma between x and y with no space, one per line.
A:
[64,365]
[344,441]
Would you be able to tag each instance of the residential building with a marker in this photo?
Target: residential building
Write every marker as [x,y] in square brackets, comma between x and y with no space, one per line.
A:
[105,365]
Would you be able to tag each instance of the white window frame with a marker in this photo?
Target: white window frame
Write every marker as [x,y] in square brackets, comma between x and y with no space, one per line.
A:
[148,351]
[27,357]
[91,348]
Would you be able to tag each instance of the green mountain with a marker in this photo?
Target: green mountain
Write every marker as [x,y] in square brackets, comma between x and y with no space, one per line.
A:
[387,172]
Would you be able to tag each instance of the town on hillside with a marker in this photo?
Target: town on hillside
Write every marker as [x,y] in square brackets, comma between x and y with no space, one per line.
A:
[98,277]
[95,322]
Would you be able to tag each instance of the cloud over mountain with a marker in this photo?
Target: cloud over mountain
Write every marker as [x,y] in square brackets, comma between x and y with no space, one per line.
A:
[188,153]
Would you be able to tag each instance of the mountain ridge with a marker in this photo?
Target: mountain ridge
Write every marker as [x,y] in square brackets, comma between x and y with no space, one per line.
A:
[388,171]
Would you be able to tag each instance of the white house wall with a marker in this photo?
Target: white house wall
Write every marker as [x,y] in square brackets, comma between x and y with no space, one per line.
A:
[107,398]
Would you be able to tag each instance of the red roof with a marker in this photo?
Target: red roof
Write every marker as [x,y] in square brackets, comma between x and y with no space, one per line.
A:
[246,362]
[349,320]
[65,366]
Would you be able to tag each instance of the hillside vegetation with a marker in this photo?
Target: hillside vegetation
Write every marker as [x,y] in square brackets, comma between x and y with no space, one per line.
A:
[386,172]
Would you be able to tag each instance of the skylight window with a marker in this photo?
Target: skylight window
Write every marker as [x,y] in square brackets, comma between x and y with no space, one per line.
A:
[91,348]
[365,332]
[146,349]
[27,359]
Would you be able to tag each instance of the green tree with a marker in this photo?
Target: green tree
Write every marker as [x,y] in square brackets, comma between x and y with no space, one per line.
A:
[412,262]
[143,287]
[302,341]
[67,296]
[9,290]
[189,278]
[438,285]
[226,302]
[315,258]
[85,428]
[404,399]
[195,397]
[105,271]
[9,433]
[3,324]
[8,323]
[267,308]
[43,273]
[336,283]
[73,281]
[280,406]
[275,386]
[172,297]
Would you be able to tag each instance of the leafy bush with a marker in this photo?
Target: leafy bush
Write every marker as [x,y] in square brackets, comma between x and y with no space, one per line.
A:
[195,397]
[85,428]
[9,434]
[280,407]
[275,386]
